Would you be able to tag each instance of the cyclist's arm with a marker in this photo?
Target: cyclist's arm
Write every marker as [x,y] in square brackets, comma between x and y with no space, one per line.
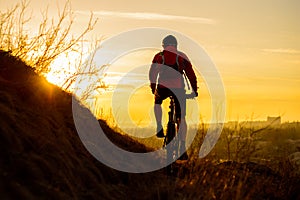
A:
[153,73]
[191,76]
[189,71]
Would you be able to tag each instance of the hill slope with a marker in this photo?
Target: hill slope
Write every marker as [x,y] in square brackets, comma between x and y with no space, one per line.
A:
[41,153]
[42,157]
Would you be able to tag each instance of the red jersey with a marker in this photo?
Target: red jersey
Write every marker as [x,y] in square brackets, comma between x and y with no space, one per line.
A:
[165,76]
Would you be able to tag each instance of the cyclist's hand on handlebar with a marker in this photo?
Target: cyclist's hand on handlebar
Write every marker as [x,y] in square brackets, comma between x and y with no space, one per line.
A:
[192,95]
[195,94]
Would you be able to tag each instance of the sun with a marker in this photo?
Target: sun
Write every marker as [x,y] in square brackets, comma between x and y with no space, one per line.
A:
[62,68]
[56,78]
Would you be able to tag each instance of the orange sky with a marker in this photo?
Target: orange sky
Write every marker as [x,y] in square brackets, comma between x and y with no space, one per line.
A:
[254,44]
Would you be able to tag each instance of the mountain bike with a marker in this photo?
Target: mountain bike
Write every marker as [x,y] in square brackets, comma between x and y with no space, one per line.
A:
[171,141]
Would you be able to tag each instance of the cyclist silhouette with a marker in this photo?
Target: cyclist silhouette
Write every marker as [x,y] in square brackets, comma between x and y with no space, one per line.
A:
[166,79]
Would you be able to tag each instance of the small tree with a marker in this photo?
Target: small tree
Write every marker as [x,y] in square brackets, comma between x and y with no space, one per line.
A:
[39,48]
[52,39]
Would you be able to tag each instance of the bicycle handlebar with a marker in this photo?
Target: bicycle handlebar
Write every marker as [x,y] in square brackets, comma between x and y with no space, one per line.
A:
[190,96]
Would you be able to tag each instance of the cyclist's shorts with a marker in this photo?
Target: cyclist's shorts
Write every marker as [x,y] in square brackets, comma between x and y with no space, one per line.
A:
[179,97]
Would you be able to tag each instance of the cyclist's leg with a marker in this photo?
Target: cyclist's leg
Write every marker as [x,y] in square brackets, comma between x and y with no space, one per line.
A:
[160,95]
[182,138]
[180,106]
[180,110]
[158,114]
[182,129]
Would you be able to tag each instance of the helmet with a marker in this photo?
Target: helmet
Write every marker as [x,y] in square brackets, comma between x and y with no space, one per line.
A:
[170,40]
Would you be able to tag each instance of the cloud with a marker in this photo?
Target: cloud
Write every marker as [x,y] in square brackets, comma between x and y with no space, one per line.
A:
[125,80]
[150,16]
[282,51]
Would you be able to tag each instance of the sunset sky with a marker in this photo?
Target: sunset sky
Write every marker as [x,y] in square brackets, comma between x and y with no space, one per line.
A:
[254,44]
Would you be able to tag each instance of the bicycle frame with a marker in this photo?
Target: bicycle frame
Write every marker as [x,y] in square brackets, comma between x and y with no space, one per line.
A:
[171,141]
[173,125]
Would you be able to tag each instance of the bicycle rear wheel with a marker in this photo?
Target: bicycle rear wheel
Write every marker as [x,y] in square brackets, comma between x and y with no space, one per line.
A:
[172,146]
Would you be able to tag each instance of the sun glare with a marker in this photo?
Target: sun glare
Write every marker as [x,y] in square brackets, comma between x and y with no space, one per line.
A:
[63,68]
